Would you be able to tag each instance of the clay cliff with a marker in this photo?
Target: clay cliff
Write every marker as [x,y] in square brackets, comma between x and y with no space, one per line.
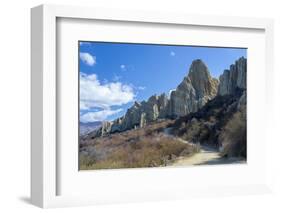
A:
[233,78]
[195,90]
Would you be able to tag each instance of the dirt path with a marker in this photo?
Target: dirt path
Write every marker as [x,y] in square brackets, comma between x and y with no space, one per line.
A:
[206,156]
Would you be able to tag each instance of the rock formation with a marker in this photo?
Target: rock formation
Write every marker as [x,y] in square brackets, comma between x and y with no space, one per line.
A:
[192,93]
[105,129]
[142,113]
[196,89]
[233,78]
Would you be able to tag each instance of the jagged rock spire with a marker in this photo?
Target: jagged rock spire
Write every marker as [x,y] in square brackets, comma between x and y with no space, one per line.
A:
[234,77]
[195,90]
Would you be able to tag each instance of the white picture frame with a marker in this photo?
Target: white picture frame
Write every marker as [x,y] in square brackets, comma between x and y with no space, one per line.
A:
[44,149]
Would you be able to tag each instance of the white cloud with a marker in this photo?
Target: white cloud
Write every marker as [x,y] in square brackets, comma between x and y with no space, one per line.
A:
[87,58]
[141,88]
[98,116]
[172,53]
[94,94]
[123,67]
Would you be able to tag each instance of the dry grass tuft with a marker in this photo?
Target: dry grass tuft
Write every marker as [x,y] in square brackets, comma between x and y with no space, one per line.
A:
[145,147]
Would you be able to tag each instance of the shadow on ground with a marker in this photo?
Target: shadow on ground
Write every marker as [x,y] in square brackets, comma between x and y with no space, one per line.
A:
[26,200]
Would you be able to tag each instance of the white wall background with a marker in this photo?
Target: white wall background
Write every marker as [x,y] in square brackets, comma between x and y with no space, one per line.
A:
[15,98]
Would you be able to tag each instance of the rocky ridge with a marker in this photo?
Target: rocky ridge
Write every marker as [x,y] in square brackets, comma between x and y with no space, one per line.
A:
[196,89]
[234,77]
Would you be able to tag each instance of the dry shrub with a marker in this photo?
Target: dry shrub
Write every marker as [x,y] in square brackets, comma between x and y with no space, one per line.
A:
[234,136]
[85,161]
[192,131]
[135,149]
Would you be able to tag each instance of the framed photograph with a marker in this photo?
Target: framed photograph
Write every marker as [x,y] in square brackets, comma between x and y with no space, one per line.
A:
[131,106]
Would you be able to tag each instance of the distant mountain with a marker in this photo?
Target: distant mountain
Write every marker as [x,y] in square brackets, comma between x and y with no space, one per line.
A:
[86,128]
[197,88]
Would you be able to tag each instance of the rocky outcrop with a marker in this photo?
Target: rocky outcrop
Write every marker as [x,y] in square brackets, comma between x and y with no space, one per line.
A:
[163,103]
[105,129]
[201,80]
[142,113]
[233,78]
[194,91]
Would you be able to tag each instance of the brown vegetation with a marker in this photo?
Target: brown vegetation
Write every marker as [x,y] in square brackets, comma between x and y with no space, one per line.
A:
[204,126]
[234,135]
[145,147]
[220,123]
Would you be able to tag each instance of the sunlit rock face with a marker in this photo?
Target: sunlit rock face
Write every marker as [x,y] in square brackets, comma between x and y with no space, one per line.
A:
[234,77]
[195,90]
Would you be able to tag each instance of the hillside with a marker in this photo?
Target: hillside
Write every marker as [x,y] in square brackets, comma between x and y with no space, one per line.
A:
[221,123]
[201,111]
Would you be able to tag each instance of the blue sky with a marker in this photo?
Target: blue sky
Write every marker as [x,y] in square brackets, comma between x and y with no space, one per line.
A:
[114,75]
